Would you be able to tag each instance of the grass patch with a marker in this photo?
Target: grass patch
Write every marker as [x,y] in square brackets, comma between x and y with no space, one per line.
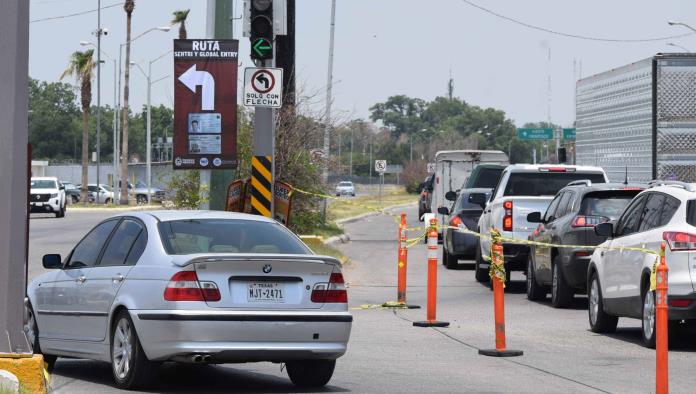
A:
[346,207]
[319,247]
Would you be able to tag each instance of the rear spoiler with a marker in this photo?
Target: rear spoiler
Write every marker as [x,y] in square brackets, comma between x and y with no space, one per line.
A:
[188,259]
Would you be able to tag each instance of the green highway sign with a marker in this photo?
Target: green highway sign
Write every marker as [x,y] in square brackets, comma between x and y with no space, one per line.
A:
[535,134]
[262,48]
[569,134]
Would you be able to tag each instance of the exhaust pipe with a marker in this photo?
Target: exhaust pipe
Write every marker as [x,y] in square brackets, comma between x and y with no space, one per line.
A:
[206,359]
[197,358]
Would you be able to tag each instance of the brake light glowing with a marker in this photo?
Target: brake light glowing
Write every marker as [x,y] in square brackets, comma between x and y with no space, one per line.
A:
[556,169]
[332,292]
[184,286]
[679,241]
[588,221]
[456,221]
[507,219]
[679,303]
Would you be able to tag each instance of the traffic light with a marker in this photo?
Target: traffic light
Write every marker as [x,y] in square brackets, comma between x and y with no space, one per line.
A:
[261,29]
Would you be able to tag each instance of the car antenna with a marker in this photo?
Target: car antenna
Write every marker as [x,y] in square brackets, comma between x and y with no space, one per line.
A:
[626,179]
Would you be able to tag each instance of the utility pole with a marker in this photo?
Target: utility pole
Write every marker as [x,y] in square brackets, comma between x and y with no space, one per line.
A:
[285,58]
[329,88]
[99,34]
[14,66]
[351,153]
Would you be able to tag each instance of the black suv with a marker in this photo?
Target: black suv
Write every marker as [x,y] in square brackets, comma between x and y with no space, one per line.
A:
[570,220]
[466,210]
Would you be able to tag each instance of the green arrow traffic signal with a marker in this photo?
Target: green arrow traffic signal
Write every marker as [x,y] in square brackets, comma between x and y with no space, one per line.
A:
[261,48]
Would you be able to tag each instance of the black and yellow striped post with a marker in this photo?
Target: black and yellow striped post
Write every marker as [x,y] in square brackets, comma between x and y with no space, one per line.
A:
[261,185]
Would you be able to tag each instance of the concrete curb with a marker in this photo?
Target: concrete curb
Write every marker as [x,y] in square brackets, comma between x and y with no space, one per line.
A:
[29,370]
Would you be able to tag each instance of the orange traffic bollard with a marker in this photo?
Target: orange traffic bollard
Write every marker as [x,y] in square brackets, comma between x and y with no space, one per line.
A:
[661,334]
[498,281]
[402,266]
[432,280]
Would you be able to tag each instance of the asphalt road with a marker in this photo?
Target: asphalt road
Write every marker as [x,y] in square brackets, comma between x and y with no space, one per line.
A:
[387,354]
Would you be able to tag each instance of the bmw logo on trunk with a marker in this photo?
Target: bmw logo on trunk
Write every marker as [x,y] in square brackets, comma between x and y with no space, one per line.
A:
[267,268]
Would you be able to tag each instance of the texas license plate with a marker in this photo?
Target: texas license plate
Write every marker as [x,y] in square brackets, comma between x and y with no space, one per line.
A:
[266,292]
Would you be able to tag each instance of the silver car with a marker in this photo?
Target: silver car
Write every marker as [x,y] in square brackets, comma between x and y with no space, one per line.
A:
[192,287]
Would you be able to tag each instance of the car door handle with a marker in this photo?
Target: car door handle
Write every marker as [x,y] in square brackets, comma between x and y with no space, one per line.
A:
[81,279]
[118,278]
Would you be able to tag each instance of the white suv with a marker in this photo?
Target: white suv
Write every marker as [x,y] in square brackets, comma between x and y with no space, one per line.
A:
[619,280]
[47,195]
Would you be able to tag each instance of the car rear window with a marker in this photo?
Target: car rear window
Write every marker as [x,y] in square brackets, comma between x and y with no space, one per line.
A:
[228,236]
[487,178]
[345,184]
[609,204]
[691,212]
[545,183]
[43,184]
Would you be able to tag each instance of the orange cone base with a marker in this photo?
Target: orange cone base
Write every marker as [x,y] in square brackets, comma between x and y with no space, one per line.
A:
[500,353]
[430,323]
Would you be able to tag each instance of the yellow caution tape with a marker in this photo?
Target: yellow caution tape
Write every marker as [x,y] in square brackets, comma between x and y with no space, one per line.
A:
[386,305]
[653,275]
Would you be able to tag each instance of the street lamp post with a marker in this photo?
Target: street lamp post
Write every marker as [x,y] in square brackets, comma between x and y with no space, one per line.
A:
[678,46]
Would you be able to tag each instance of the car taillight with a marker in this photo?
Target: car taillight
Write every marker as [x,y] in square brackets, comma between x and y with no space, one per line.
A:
[332,292]
[679,303]
[556,169]
[507,219]
[456,221]
[588,221]
[679,241]
[582,253]
[185,286]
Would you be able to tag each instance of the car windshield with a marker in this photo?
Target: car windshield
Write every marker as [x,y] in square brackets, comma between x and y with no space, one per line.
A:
[609,204]
[228,236]
[345,184]
[545,183]
[140,185]
[43,184]
[107,187]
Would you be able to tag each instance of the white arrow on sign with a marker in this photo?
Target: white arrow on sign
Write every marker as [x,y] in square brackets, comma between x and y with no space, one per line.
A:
[192,78]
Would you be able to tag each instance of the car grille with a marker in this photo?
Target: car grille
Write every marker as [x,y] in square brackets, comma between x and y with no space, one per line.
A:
[35,197]
[159,195]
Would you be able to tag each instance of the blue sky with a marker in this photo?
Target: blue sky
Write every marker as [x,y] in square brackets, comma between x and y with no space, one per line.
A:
[388,47]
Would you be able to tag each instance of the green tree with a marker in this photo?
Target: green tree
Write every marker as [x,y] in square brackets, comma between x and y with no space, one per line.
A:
[180,18]
[53,120]
[401,114]
[80,67]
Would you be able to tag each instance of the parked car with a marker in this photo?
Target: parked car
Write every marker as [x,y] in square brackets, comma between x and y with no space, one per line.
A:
[72,192]
[345,188]
[106,195]
[425,198]
[619,280]
[203,287]
[47,195]
[523,188]
[140,192]
[570,220]
[465,211]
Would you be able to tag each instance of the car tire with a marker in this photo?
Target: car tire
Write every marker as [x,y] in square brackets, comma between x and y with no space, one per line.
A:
[451,262]
[480,274]
[74,199]
[107,201]
[421,212]
[141,199]
[600,321]
[310,373]
[31,330]
[561,294]
[535,292]
[353,194]
[133,369]
[648,317]
[61,212]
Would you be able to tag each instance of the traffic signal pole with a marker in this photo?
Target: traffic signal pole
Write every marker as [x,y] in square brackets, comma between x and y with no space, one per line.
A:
[14,66]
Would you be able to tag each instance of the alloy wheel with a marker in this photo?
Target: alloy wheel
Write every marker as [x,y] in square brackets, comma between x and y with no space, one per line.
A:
[594,301]
[122,348]
[648,314]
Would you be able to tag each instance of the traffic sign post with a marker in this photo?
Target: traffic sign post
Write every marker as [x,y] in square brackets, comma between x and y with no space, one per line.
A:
[380,167]
[535,133]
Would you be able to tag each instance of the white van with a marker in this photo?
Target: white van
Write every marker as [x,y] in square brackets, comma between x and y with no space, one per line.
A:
[452,168]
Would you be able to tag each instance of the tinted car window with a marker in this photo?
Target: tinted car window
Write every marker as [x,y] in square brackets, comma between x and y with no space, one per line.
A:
[464,203]
[228,236]
[87,251]
[668,208]
[121,243]
[651,212]
[629,221]
[608,204]
[550,211]
[563,205]
[137,249]
[545,183]
[691,212]
[488,178]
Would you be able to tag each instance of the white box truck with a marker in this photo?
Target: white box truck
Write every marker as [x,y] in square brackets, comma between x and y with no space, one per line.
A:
[452,168]
[639,120]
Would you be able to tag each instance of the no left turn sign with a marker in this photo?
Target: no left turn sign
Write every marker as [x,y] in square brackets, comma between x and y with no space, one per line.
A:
[263,87]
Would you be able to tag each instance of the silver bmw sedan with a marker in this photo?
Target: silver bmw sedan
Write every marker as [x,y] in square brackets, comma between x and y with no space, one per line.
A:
[192,287]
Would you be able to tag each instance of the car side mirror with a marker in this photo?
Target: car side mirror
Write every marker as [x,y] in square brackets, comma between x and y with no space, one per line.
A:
[62,187]
[534,217]
[443,210]
[451,196]
[478,198]
[604,229]
[52,261]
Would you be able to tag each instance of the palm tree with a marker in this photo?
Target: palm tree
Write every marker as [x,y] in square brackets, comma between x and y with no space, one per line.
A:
[80,66]
[128,6]
[180,18]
